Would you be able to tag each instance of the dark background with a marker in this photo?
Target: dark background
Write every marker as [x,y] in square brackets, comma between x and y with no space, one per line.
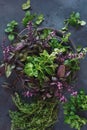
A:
[55,11]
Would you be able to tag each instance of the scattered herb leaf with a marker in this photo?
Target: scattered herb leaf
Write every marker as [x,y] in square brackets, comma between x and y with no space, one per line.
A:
[26,5]
[11,37]
[39,19]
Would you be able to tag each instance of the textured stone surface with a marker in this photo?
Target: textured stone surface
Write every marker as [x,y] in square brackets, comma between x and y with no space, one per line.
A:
[55,11]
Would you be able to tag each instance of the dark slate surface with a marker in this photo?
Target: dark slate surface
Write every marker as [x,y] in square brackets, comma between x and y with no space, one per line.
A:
[55,11]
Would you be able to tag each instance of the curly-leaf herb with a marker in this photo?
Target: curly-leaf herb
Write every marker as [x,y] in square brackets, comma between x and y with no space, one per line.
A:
[40,114]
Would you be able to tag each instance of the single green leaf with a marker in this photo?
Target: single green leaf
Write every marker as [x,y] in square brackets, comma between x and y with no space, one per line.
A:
[11,37]
[14,23]
[8,70]
[77,15]
[27,13]
[8,30]
[65,28]
[83,23]
[8,25]
[26,5]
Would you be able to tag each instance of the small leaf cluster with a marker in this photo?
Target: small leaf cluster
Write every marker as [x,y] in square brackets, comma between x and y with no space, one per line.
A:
[28,17]
[73,107]
[66,38]
[55,43]
[11,30]
[40,66]
[37,19]
[74,20]
[38,115]
[45,33]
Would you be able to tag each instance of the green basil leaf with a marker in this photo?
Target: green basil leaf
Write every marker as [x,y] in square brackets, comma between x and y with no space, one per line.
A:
[8,30]
[77,15]
[26,5]
[11,37]
[83,23]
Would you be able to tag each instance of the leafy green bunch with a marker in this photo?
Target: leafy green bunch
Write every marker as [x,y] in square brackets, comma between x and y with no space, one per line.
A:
[11,30]
[36,19]
[74,20]
[40,66]
[38,115]
[55,43]
[73,108]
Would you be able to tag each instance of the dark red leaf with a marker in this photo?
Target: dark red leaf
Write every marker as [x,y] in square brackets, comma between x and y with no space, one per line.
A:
[61,71]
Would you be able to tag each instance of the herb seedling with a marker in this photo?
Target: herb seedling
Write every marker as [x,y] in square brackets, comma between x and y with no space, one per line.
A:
[36,19]
[11,30]
[28,17]
[74,20]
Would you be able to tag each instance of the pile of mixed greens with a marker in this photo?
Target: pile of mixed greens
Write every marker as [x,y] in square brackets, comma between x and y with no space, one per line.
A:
[46,62]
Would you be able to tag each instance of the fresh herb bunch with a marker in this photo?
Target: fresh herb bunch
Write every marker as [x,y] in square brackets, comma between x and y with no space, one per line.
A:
[45,33]
[37,19]
[58,43]
[40,54]
[40,66]
[34,116]
[45,63]
[28,17]
[11,30]
[65,38]
[73,108]
[54,43]
[74,20]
